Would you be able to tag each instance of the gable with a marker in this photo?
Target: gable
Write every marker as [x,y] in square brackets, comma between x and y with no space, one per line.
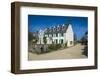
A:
[69,29]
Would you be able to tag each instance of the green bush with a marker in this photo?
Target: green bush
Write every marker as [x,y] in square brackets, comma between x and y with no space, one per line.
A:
[54,47]
[45,40]
[65,44]
[58,46]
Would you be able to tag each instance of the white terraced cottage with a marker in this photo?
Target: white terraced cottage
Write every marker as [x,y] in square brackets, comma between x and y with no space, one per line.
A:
[60,34]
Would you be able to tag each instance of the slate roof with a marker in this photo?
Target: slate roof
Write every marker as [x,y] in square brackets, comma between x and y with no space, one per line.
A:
[57,29]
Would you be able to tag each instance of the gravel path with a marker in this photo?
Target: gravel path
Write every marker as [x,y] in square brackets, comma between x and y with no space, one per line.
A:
[74,52]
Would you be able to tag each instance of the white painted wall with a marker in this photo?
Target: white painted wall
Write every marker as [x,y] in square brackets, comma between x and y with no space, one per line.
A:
[69,35]
[58,38]
[41,35]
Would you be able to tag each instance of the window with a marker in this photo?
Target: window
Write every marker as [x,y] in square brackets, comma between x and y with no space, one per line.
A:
[46,35]
[61,41]
[52,35]
[56,35]
[62,34]
[56,41]
[71,42]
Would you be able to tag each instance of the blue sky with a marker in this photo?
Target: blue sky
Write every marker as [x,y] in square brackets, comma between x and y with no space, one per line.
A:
[37,22]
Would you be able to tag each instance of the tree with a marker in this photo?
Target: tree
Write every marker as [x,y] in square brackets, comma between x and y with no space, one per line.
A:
[30,36]
[85,52]
[75,37]
[44,40]
[34,40]
[84,39]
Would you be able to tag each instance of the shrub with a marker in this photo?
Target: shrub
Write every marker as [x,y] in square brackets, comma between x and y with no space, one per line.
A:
[58,46]
[45,40]
[66,44]
[54,47]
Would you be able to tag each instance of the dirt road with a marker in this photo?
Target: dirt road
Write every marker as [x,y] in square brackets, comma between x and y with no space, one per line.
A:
[74,52]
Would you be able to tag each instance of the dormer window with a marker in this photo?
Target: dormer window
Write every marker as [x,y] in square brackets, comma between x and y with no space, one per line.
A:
[63,26]
[51,29]
[56,34]
[58,28]
[54,28]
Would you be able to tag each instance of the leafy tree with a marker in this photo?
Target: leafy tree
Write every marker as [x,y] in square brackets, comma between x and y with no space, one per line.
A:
[75,37]
[85,52]
[30,36]
[34,41]
[84,39]
[44,39]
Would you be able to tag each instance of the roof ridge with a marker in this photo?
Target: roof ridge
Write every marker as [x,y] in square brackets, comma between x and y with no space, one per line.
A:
[58,29]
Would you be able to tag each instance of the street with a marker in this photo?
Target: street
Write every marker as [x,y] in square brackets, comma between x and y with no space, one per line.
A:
[74,52]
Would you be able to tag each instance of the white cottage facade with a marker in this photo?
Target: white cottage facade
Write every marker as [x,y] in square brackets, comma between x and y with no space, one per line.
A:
[61,34]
